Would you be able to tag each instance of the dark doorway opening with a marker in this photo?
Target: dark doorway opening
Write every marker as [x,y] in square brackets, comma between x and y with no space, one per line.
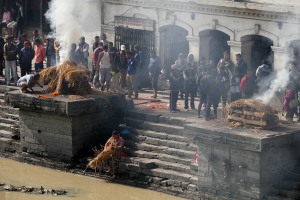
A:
[172,42]
[255,49]
[213,44]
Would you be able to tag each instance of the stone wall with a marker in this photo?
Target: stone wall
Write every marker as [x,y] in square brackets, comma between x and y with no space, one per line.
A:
[242,164]
[63,128]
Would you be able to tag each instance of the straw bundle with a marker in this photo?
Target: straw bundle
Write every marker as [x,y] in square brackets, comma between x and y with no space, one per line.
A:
[67,78]
[103,156]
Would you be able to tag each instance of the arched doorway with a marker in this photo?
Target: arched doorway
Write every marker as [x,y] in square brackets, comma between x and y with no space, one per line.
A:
[213,44]
[255,49]
[172,42]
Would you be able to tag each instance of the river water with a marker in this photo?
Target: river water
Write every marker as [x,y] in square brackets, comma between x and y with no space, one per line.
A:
[80,187]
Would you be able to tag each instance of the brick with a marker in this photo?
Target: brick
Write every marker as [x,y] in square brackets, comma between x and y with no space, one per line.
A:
[147,165]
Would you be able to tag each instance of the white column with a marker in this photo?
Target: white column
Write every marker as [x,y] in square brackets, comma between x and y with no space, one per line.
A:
[194,46]
[157,43]
[280,57]
[235,47]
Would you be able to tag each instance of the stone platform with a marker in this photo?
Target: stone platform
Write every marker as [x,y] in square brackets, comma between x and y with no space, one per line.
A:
[63,127]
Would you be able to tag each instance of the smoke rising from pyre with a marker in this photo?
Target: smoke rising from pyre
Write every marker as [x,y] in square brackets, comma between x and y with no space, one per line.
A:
[71,19]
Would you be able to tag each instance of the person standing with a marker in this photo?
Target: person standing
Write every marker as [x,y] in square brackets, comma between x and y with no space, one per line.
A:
[248,85]
[35,36]
[104,66]
[73,56]
[235,92]
[95,71]
[131,76]
[10,56]
[175,82]
[96,43]
[123,66]
[104,40]
[85,49]
[189,83]
[50,52]
[20,18]
[227,63]
[223,84]
[241,65]
[40,55]
[181,65]
[5,19]
[2,42]
[154,70]
[80,54]
[25,57]
[202,94]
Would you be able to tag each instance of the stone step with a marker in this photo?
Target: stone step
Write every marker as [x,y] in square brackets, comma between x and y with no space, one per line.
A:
[9,116]
[168,143]
[2,96]
[165,150]
[159,135]
[10,145]
[278,198]
[9,121]
[146,163]
[9,127]
[10,110]
[162,157]
[164,128]
[9,135]
[171,175]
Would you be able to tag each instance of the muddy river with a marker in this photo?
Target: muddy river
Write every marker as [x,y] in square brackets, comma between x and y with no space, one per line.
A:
[78,187]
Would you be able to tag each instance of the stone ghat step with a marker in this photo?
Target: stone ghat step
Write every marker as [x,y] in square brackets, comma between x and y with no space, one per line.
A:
[2,96]
[167,143]
[158,135]
[162,157]
[165,150]
[9,135]
[278,198]
[159,172]
[10,145]
[5,120]
[156,118]
[146,163]
[9,127]
[9,116]
[165,128]
[10,110]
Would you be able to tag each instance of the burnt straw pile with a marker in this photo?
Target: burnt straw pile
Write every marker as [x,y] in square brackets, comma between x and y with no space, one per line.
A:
[67,78]
[251,112]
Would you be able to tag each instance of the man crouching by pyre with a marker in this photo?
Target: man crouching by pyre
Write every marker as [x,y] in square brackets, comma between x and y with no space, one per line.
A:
[108,159]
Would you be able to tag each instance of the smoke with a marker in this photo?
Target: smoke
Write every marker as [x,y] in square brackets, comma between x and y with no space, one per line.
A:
[71,19]
[275,82]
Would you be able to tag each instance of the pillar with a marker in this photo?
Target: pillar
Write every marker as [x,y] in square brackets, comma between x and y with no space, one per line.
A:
[280,57]
[235,47]
[194,46]
[157,43]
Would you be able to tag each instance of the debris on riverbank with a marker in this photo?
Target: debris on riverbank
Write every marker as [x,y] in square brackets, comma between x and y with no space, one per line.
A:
[31,190]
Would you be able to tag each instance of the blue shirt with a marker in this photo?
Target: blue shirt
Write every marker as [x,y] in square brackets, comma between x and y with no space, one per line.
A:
[154,66]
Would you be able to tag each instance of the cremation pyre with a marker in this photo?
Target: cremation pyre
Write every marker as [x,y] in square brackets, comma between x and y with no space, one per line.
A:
[250,112]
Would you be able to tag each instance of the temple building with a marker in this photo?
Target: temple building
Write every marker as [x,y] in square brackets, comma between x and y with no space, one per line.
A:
[256,29]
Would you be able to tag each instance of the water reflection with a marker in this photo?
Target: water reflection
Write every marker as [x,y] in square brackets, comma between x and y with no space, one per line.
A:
[82,188]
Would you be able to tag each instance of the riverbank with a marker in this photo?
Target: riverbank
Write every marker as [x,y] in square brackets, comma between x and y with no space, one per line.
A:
[78,187]
[78,167]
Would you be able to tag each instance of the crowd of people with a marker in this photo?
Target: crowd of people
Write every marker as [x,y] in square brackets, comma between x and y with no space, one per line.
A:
[215,82]
[123,70]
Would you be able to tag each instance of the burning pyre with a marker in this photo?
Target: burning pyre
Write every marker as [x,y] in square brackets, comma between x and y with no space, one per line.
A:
[250,112]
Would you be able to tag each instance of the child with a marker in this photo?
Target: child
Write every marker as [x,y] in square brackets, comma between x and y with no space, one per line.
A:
[40,55]
[247,85]
[235,92]
[28,81]
[25,57]
[175,85]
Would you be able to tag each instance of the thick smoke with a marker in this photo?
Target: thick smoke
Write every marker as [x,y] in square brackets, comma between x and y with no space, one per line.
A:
[277,81]
[71,19]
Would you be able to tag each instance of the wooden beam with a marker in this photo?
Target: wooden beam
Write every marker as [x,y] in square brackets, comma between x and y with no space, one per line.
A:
[247,121]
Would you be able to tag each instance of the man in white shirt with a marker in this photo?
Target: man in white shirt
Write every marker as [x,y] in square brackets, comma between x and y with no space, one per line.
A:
[85,49]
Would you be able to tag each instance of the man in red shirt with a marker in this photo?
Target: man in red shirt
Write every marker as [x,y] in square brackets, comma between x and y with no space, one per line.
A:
[40,55]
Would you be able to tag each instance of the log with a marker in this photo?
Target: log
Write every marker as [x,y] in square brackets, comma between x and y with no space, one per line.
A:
[247,121]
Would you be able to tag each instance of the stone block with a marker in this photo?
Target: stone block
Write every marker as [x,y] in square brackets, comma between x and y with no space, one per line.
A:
[134,168]
[175,183]
[147,164]
[192,187]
